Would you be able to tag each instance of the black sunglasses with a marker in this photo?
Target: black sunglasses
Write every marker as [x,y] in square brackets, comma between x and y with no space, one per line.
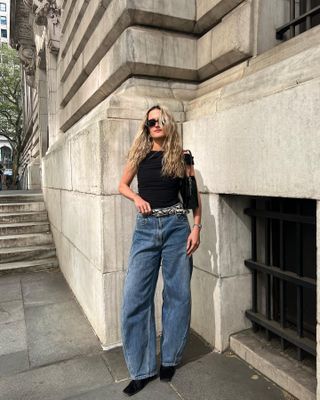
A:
[152,122]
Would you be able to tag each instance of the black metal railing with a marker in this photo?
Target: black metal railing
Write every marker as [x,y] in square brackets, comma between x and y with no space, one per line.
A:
[304,14]
[283,265]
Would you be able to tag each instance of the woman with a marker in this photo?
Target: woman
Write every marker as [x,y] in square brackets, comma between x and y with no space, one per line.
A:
[162,236]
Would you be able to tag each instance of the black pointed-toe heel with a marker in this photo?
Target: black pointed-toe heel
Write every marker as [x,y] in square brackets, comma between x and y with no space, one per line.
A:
[166,373]
[136,385]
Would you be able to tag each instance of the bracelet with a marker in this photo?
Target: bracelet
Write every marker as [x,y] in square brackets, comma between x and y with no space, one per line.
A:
[198,225]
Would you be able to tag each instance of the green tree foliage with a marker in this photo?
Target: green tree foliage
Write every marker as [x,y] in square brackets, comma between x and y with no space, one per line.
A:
[11,103]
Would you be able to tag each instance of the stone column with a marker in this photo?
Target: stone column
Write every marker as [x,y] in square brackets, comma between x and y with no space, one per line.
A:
[48,13]
[53,118]
[43,112]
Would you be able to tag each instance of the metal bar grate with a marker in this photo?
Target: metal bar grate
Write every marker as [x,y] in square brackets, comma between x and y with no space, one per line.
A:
[303,343]
[308,11]
[254,257]
[285,276]
[287,270]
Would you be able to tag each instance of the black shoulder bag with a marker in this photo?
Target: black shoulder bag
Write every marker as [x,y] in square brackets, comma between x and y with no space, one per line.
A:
[188,188]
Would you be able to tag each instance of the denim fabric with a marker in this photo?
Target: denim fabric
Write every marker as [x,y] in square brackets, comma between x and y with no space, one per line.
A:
[156,241]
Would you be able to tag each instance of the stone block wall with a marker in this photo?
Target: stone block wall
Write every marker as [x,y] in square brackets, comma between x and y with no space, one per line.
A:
[80,180]
[253,132]
[245,108]
[118,39]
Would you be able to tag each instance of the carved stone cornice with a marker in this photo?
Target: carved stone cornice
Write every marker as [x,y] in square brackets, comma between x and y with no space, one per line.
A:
[22,38]
[43,9]
[27,57]
[47,13]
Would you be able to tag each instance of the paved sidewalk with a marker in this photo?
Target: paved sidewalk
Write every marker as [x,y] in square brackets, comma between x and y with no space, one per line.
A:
[48,351]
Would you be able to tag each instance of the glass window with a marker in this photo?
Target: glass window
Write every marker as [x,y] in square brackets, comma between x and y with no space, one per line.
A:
[4,33]
[3,7]
[3,20]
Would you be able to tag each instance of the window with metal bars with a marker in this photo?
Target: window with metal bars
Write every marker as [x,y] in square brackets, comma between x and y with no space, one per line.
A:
[283,265]
[304,14]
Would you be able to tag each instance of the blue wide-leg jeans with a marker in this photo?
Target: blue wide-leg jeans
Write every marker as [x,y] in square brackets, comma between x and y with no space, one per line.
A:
[156,241]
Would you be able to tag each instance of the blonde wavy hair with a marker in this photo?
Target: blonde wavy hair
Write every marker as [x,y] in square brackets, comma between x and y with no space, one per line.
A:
[173,160]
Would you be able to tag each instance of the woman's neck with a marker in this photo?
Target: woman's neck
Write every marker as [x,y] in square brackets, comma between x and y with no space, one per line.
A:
[157,145]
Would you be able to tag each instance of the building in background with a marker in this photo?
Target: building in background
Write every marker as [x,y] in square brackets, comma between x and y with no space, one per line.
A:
[5,21]
[5,147]
[242,78]
[5,162]
[5,153]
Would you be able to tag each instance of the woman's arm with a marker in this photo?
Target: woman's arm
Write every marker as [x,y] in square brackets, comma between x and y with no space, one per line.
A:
[193,241]
[124,188]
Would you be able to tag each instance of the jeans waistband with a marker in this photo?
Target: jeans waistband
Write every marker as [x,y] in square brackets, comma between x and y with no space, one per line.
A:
[175,209]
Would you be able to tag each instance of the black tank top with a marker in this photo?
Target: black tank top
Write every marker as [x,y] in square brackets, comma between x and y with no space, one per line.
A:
[156,189]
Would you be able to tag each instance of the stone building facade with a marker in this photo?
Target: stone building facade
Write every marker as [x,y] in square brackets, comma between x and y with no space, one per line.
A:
[246,102]
[4,21]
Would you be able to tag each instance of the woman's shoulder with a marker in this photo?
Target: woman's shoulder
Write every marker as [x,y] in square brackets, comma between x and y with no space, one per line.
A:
[188,158]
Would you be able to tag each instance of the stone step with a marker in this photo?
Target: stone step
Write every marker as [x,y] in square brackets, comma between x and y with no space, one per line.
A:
[32,216]
[23,228]
[297,378]
[44,263]
[27,253]
[21,198]
[21,207]
[24,240]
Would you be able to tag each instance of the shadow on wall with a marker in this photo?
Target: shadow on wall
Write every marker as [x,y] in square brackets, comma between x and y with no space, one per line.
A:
[221,284]
[204,280]
[207,256]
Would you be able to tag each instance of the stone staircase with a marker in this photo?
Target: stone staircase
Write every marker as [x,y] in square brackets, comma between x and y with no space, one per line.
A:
[25,237]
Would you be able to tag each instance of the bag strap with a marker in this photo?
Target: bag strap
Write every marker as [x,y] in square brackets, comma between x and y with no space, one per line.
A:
[188,170]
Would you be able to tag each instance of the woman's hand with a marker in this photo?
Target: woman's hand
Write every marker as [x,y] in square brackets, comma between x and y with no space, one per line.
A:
[142,206]
[193,241]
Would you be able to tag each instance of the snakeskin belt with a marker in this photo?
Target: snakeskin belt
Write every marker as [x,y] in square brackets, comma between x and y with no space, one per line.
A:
[175,209]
